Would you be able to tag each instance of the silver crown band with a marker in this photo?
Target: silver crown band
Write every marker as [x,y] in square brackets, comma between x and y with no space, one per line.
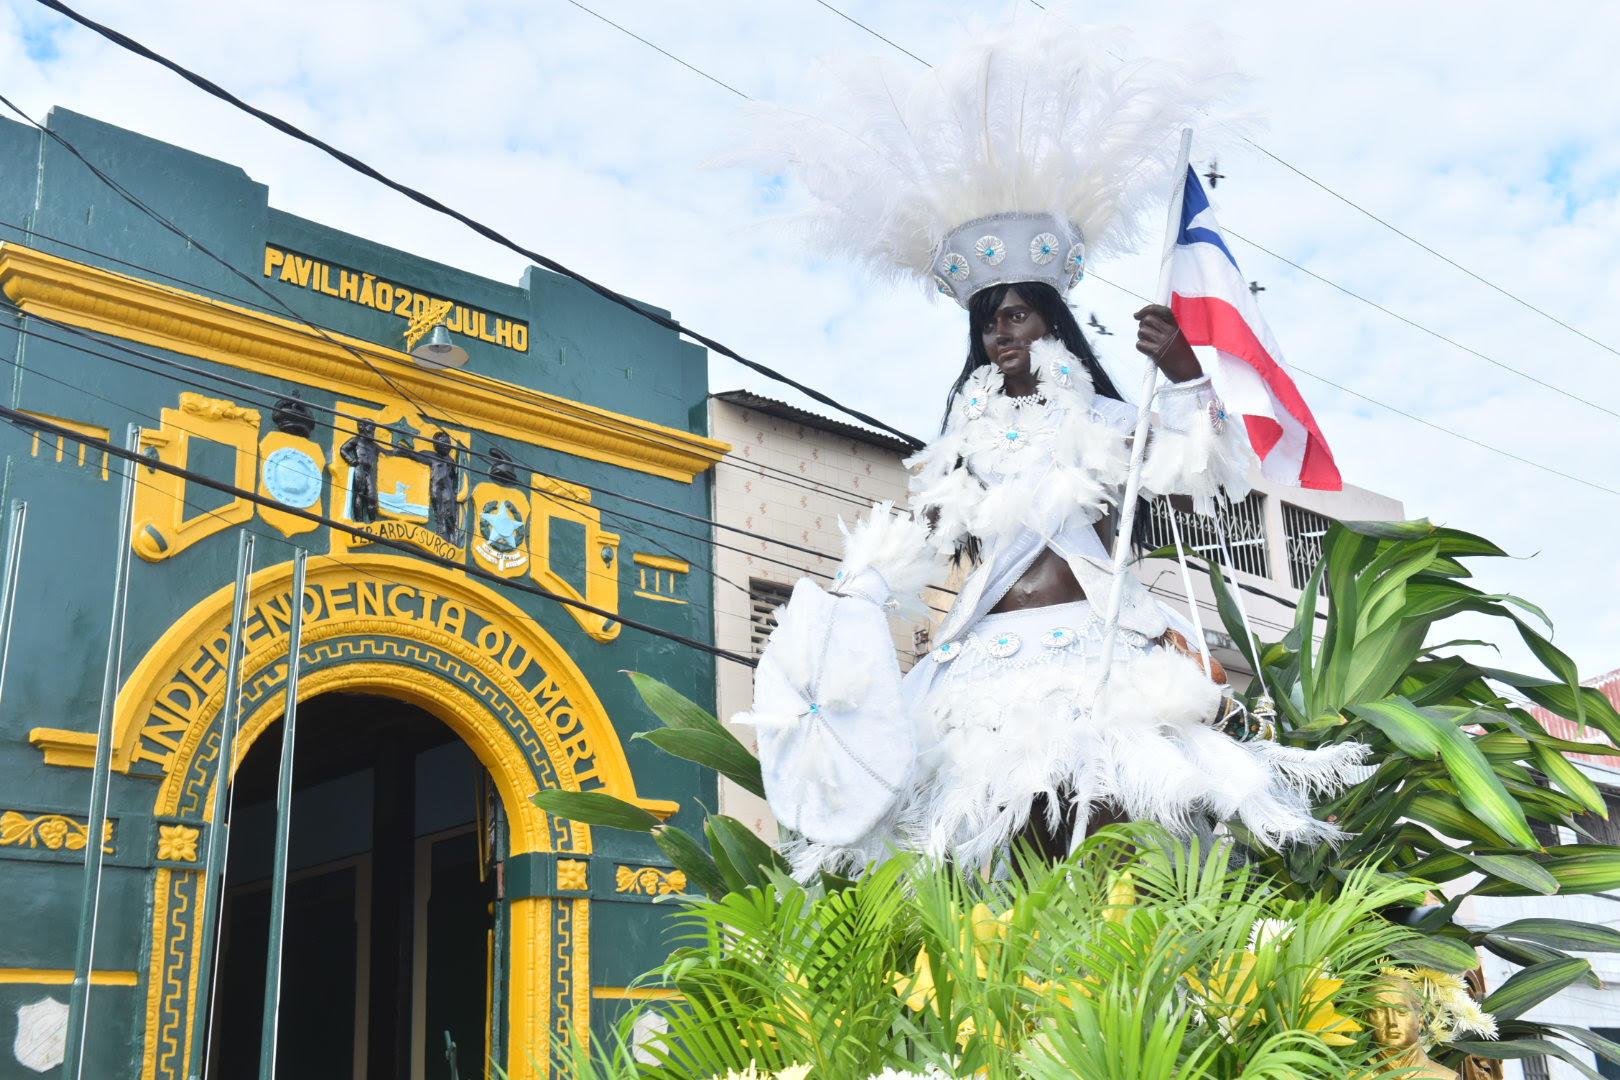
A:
[1005,249]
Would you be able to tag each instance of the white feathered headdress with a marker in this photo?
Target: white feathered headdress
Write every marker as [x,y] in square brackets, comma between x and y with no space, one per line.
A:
[1016,159]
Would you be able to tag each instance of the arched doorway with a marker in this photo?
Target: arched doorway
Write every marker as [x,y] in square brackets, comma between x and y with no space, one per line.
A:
[414,633]
[387,953]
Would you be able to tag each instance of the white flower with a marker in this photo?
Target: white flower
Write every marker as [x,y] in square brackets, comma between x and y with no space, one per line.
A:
[1043,249]
[933,1072]
[942,285]
[973,403]
[1075,260]
[1002,645]
[948,651]
[1059,637]
[991,249]
[955,267]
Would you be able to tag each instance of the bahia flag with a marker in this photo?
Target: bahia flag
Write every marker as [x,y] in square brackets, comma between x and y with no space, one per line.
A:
[1213,304]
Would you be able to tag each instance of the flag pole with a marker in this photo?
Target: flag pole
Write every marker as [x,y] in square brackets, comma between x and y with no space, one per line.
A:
[1144,411]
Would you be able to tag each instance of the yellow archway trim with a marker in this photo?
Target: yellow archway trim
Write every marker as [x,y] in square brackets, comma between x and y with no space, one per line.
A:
[441,693]
[195,325]
[163,707]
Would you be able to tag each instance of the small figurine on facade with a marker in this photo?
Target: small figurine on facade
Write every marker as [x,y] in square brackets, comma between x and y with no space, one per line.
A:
[503,467]
[361,452]
[444,488]
[293,416]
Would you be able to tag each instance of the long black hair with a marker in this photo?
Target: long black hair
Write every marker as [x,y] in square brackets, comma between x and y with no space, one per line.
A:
[1049,304]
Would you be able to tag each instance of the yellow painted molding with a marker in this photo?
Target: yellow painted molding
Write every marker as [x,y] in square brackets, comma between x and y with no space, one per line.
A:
[662,562]
[636,993]
[662,809]
[64,977]
[186,322]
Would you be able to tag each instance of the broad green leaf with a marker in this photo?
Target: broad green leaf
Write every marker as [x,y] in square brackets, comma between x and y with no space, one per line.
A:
[1441,953]
[1562,772]
[1230,614]
[1607,1049]
[1305,626]
[1562,934]
[1423,732]
[1584,868]
[1451,541]
[1559,698]
[595,808]
[1448,816]
[673,708]
[1525,873]
[750,856]
[1524,953]
[1530,987]
[736,878]
[1515,1049]
[690,859]
[722,753]
[1386,592]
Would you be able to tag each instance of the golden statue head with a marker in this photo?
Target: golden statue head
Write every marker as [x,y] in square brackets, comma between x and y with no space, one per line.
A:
[1395,1018]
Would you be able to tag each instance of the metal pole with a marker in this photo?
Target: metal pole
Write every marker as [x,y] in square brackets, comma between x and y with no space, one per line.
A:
[1267,705]
[213,865]
[84,951]
[1150,382]
[284,795]
[8,603]
[1186,583]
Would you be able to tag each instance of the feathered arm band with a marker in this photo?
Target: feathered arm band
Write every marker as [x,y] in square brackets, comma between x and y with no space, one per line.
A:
[1196,449]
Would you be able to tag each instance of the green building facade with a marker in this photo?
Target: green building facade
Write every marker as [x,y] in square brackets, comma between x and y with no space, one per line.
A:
[428,901]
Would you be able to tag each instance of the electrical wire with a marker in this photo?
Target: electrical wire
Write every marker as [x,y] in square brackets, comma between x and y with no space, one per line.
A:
[553,496]
[1410,416]
[1291,167]
[489,233]
[524,393]
[24,421]
[1453,342]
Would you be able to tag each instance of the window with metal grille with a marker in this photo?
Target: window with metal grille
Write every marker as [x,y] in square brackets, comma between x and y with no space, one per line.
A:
[1535,1068]
[1303,531]
[1245,524]
[764,597]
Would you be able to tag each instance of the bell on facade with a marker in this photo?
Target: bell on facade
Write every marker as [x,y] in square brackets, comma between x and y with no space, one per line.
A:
[436,350]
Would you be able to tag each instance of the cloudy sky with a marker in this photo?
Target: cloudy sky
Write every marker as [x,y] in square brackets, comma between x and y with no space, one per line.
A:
[1487,135]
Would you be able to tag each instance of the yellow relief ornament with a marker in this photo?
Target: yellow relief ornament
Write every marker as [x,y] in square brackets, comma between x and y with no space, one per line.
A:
[165,524]
[500,520]
[177,843]
[292,469]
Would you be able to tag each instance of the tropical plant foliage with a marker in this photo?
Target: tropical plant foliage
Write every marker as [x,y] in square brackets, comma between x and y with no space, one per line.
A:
[1141,958]
[1460,775]
[1461,770]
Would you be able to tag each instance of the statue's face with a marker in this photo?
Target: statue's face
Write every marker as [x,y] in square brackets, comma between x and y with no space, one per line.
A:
[1394,1017]
[1013,328]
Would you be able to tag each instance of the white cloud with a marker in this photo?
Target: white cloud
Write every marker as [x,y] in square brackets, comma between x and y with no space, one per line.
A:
[1487,134]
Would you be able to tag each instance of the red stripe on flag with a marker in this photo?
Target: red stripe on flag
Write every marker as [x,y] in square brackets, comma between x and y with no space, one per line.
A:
[1209,320]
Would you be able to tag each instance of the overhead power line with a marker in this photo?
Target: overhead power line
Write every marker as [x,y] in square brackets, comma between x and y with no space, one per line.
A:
[1453,342]
[759,468]
[1410,416]
[1326,281]
[27,422]
[489,233]
[1442,256]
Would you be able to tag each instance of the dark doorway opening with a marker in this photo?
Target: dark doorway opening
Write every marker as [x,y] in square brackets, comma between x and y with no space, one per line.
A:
[387,942]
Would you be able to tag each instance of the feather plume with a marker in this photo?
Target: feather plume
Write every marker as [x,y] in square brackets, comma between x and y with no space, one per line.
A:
[1037,116]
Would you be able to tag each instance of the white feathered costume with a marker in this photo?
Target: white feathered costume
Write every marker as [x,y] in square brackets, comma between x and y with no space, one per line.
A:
[1011,162]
